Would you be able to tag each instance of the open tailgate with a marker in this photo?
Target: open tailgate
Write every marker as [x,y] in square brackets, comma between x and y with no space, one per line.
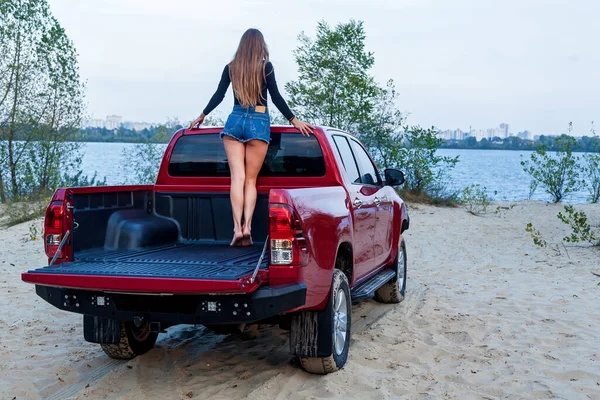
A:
[183,268]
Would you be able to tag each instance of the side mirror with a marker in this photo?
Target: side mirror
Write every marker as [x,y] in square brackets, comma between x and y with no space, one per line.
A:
[393,177]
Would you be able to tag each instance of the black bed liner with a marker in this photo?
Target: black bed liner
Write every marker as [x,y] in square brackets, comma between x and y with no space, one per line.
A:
[182,260]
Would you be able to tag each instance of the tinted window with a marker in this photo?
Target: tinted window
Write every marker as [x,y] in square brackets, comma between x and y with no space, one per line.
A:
[347,158]
[289,154]
[365,165]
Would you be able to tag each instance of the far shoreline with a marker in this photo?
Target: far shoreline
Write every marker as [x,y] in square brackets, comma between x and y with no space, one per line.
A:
[439,148]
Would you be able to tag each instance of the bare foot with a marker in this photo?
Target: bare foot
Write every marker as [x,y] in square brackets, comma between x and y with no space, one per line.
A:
[238,238]
[247,241]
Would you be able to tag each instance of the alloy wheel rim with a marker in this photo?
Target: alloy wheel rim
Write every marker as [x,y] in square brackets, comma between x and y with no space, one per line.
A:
[400,271]
[340,322]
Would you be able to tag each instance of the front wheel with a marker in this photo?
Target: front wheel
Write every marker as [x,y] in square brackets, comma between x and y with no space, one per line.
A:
[393,291]
[133,342]
[341,316]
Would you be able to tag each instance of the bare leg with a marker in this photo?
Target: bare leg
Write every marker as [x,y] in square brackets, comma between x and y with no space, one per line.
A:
[235,157]
[256,150]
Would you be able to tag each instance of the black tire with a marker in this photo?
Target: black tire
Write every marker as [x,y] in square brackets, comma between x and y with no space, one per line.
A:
[338,357]
[133,342]
[392,292]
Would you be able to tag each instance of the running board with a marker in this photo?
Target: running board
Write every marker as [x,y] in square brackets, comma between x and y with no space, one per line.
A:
[367,289]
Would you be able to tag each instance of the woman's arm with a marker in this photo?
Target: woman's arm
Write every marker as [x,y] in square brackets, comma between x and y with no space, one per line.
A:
[219,95]
[280,103]
[278,100]
[215,100]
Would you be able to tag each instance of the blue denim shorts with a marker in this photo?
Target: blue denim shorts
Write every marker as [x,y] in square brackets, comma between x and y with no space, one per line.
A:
[245,124]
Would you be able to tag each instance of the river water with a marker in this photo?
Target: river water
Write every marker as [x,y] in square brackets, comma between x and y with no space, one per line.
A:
[499,171]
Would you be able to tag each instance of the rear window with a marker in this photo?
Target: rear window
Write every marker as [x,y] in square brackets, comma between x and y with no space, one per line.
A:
[289,154]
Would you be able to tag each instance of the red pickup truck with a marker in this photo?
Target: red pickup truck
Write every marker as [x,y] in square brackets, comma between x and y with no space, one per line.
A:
[135,260]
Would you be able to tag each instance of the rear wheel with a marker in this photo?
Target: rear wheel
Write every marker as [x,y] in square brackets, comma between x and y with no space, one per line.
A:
[133,342]
[341,319]
[393,290]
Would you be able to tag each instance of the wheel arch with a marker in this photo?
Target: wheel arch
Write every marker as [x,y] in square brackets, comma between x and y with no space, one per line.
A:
[400,221]
[344,260]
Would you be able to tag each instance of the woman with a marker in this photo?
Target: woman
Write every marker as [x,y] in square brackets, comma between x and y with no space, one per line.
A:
[247,130]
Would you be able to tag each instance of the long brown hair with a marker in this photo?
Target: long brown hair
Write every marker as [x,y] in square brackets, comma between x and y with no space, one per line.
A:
[247,69]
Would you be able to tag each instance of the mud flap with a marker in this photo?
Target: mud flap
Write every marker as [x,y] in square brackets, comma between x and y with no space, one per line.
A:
[101,330]
[311,332]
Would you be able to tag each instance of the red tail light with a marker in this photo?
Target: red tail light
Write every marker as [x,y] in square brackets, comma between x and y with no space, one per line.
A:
[288,245]
[53,228]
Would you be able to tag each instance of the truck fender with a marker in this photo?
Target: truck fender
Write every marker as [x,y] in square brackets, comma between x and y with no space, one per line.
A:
[400,215]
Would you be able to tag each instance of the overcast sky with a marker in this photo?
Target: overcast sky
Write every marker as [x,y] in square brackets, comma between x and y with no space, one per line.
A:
[534,64]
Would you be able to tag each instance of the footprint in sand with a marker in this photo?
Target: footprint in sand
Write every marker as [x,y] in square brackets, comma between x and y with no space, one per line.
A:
[458,337]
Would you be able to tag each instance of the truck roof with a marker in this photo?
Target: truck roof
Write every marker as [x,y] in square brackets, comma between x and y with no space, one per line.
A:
[276,128]
[332,176]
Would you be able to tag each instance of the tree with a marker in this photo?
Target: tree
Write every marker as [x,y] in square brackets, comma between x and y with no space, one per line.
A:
[277,118]
[557,174]
[214,120]
[424,170]
[381,132]
[334,87]
[41,99]
[20,30]
[471,142]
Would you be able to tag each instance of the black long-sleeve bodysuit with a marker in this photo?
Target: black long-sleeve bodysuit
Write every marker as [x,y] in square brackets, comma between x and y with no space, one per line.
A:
[269,84]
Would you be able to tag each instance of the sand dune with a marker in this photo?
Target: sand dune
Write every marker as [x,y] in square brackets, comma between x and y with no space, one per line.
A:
[487,315]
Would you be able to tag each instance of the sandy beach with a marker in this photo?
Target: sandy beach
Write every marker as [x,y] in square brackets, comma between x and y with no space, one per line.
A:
[487,315]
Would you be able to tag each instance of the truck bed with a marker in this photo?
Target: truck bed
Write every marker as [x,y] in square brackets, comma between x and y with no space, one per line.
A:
[182,260]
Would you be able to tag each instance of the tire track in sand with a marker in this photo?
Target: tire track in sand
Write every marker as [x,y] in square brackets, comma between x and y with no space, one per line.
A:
[364,315]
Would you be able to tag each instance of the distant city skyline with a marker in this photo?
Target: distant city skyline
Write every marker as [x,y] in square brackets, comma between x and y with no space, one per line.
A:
[502,131]
[114,121]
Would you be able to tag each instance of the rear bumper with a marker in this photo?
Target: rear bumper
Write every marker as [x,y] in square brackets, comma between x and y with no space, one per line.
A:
[176,309]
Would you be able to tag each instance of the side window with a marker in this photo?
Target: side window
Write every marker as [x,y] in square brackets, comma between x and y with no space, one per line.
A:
[347,158]
[367,169]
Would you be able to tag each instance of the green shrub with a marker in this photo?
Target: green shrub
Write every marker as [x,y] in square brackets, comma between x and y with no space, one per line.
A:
[77,179]
[26,210]
[424,170]
[475,199]
[536,235]
[500,209]
[34,232]
[556,173]
[142,160]
[582,231]
[533,184]
[443,198]
[592,171]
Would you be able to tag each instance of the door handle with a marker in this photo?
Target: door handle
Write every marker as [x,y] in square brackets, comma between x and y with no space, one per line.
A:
[358,203]
[377,201]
